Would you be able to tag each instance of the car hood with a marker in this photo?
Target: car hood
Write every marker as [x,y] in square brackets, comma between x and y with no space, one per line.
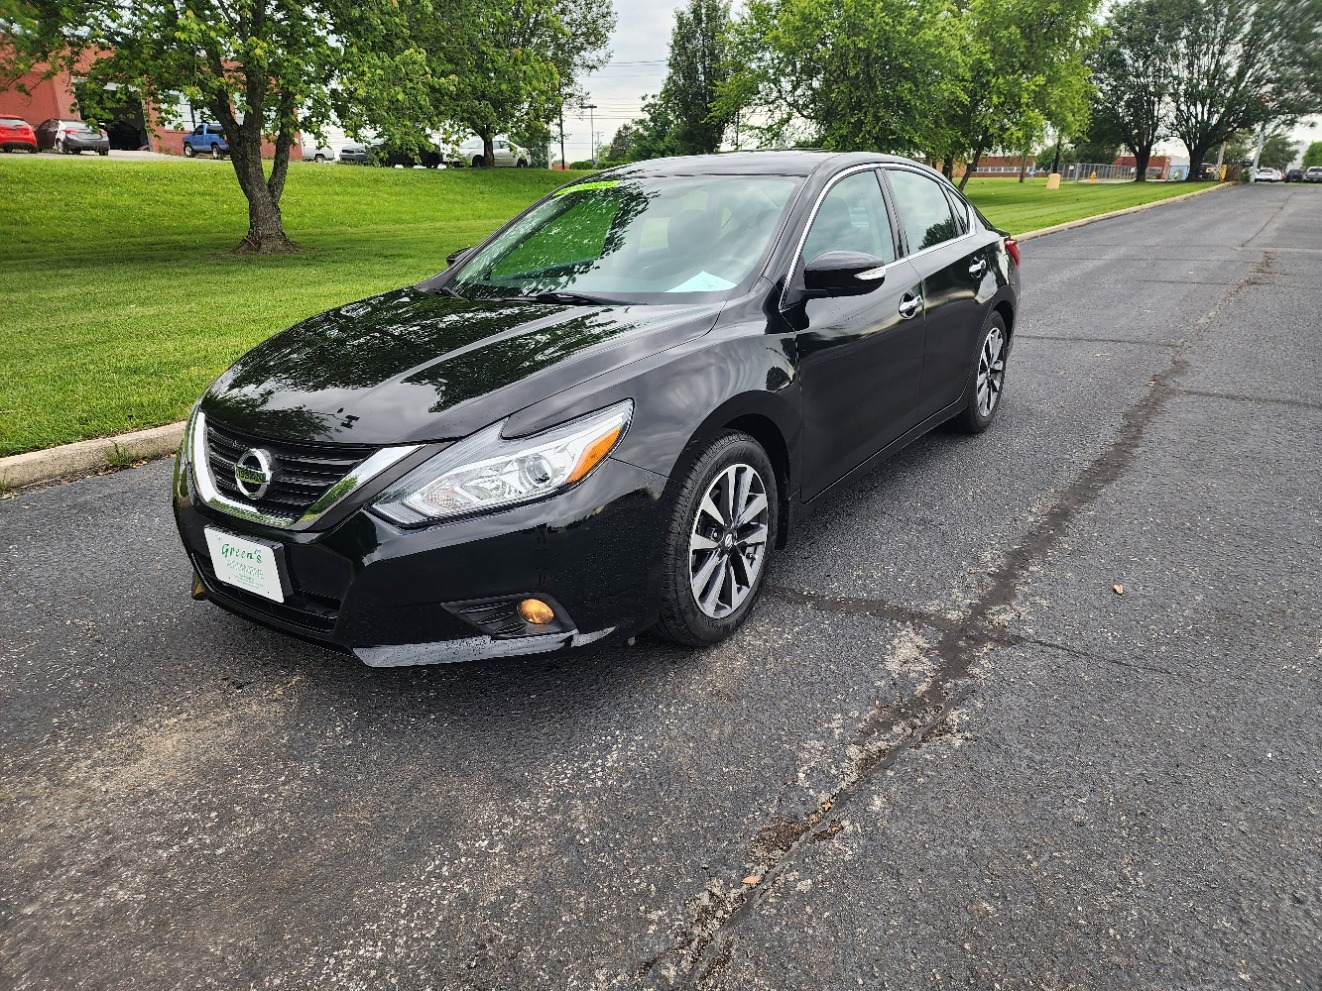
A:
[410,366]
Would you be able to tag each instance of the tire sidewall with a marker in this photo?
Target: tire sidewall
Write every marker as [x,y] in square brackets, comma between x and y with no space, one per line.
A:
[681,618]
[972,420]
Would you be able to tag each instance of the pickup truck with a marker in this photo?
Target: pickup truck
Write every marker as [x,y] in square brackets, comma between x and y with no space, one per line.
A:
[207,139]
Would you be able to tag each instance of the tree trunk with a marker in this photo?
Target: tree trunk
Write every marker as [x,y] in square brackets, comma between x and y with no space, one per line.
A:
[1023,164]
[970,168]
[488,152]
[948,167]
[266,232]
[1141,158]
[1196,156]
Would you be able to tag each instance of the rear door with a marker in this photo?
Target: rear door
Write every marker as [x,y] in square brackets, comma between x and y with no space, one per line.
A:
[859,356]
[954,264]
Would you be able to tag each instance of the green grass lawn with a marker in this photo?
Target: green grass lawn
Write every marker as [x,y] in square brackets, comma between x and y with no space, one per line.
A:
[122,301]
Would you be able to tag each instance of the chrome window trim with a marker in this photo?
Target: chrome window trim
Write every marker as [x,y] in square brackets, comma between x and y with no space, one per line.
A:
[332,497]
[938,180]
[798,259]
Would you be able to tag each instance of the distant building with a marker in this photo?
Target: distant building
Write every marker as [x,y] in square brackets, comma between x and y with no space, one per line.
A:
[134,125]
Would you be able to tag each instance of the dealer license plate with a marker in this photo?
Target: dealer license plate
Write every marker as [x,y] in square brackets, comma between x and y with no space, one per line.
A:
[246,564]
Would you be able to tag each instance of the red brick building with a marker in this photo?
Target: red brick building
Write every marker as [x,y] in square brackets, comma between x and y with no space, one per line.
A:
[135,125]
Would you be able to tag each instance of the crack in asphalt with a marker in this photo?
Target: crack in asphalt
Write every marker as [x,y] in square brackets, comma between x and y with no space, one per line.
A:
[1101,340]
[706,944]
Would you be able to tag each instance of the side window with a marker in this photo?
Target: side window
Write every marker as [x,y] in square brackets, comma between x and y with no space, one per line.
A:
[923,208]
[852,217]
[200,129]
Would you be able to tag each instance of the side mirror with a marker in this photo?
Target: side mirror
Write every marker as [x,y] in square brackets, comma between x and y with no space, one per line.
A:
[457,256]
[843,273]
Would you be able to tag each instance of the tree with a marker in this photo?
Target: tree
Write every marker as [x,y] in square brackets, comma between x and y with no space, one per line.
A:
[1313,155]
[1023,68]
[698,66]
[508,66]
[1133,79]
[1278,151]
[1237,64]
[847,75]
[261,68]
[649,136]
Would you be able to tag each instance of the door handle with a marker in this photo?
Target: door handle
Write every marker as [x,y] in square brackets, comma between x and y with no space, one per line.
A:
[910,305]
[978,267]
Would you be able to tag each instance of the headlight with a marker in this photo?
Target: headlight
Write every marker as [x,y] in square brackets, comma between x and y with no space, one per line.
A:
[486,471]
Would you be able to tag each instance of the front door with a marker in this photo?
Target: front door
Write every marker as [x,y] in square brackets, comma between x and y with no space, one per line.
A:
[860,357]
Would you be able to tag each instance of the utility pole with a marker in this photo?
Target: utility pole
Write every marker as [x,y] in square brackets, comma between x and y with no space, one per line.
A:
[1257,155]
[592,134]
[563,163]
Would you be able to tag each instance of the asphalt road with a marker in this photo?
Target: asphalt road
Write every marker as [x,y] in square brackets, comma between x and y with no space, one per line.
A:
[944,753]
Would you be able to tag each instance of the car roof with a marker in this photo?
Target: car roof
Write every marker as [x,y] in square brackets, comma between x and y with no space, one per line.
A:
[783,163]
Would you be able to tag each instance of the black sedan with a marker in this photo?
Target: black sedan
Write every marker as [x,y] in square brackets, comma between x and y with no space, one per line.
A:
[604,418]
[70,137]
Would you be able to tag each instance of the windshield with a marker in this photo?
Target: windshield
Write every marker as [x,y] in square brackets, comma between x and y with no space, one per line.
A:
[651,239]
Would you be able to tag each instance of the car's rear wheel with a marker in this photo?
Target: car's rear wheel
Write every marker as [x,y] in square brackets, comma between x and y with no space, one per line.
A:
[216,152]
[103,152]
[189,151]
[523,163]
[722,529]
[988,377]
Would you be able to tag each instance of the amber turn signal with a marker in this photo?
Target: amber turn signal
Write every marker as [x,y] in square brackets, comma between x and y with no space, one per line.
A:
[593,454]
[535,612]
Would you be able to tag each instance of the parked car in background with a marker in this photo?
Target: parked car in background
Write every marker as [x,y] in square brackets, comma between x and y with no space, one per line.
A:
[1267,174]
[606,417]
[1313,173]
[505,151]
[1294,175]
[323,153]
[355,153]
[206,139]
[16,134]
[71,137]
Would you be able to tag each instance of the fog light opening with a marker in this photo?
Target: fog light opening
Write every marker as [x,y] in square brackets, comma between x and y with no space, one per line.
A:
[535,612]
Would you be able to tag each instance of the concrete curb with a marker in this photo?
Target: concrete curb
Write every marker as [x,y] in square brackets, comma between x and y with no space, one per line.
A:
[87,457]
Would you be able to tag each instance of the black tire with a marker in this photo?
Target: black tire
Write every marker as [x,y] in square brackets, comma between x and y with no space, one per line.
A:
[721,468]
[479,161]
[977,416]
[319,158]
[216,153]
[523,163]
[103,152]
[189,151]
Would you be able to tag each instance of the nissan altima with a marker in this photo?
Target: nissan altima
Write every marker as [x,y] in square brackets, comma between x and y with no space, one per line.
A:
[604,418]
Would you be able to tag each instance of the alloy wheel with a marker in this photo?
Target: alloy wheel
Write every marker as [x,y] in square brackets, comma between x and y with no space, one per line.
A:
[728,541]
[991,371]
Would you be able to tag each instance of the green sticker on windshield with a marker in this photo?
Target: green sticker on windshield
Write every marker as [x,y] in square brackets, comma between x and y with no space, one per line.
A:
[583,187]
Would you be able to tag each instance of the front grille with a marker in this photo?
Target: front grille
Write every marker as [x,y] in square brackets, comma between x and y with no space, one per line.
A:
[315,614]
[303,472]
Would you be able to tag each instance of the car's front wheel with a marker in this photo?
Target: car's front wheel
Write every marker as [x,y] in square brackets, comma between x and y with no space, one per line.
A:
[189,151]
[988,377]
[722,529]
[478,161]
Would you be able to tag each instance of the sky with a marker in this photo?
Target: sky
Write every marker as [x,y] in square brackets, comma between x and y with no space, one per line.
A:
[637,67]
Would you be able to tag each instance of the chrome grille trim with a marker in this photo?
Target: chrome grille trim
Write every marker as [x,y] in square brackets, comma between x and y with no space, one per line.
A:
[205,483]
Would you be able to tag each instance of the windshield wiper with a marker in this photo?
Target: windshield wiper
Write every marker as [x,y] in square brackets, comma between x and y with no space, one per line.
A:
[569,298]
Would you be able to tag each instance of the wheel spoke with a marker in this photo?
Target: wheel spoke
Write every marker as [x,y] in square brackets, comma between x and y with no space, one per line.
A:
[699,542]
[709,507]
[752,510]
[727,492]
[744,479]
[703,576]
[756,536]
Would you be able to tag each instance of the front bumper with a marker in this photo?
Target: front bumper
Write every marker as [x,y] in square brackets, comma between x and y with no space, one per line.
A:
[396,597]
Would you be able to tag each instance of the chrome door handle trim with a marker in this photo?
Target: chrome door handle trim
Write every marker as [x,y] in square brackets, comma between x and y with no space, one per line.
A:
[909,307]
[978,268]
